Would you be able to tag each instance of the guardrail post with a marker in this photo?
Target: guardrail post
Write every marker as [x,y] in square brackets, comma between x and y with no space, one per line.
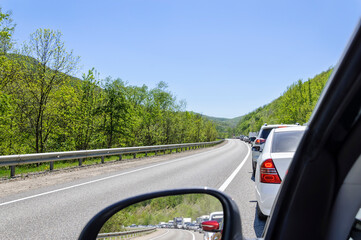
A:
[164,152]
[120,157]
[51,166]
[102,159]
[134,155]
[156,153]
[12,171]
[146,154]
[80,161]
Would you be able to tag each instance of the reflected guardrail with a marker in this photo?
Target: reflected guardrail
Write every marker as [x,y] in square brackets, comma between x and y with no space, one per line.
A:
[125,234]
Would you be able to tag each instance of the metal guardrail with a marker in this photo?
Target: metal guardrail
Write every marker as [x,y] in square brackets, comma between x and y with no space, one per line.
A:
[15,160]
[125,234]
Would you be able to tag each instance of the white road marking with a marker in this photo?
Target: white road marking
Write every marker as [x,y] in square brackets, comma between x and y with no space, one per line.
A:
[233,175]
[105,178]
[193,237]
[160,235]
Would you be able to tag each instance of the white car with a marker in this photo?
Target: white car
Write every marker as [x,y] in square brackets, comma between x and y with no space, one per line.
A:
[258,143]
[272,165]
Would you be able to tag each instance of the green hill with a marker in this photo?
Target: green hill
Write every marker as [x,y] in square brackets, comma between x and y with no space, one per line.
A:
[44,109]
[225,126]
[295,105]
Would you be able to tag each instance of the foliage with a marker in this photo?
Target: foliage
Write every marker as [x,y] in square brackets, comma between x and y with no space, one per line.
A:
[224,126]
[44,109]
[7,28]
[294,106]
[163,209]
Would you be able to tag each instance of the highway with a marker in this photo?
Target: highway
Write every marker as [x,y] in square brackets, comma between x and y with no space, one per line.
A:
[171,234]
[61,211]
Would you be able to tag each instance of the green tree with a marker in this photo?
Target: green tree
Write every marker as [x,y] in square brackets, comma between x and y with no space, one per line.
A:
[7,28]
[85,118]
[115,112]
[46,69]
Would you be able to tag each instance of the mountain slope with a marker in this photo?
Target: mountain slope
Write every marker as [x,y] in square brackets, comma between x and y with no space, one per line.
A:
[295,105]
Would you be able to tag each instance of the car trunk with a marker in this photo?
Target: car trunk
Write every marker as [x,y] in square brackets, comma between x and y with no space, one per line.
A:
[282,162]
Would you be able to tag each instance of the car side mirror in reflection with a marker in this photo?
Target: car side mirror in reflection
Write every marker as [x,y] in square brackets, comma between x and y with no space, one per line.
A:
[210,226]
[167,212]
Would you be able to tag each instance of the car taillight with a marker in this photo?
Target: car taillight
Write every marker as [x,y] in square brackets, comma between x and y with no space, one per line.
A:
[269,172]
[260,140]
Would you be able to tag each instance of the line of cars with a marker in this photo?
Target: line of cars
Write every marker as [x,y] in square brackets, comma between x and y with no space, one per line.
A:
[247,139]
[272,153]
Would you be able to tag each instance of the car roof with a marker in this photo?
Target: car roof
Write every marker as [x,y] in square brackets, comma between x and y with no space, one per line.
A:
[290,129]
[278,125]
[214,213]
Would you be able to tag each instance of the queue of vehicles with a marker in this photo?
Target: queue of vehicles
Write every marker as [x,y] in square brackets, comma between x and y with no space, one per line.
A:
[188,224]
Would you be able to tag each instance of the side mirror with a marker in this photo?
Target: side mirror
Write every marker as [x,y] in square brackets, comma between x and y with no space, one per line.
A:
[151,212]
[210,226]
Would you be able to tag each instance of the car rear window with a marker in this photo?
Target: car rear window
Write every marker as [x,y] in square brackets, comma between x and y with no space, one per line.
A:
[218,218]
[286,141]
[265,132]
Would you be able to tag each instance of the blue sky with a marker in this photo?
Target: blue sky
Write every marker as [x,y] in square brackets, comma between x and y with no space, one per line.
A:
[225,58]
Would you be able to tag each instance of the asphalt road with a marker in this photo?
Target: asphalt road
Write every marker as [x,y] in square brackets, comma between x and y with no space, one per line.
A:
[171,234]
[61,211]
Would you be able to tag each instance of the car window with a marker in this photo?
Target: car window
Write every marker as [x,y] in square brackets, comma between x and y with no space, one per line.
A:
[265,132]
[286,141]
[218,218]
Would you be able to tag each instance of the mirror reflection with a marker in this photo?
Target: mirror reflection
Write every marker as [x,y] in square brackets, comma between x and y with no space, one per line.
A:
[187,216]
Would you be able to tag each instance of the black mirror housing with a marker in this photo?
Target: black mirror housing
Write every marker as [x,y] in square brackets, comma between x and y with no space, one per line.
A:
[232,228]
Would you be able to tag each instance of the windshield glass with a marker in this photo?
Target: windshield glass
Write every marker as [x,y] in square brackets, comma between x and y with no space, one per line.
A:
[105,100]
[286,141]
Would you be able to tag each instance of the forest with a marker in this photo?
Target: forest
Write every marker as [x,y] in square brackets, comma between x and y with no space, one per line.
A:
[43,108]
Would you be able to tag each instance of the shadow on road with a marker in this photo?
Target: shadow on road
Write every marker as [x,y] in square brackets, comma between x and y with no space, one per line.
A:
[258,225]
[252,178]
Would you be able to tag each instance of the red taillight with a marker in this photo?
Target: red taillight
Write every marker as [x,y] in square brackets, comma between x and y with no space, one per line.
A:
[260,140]
[269,172]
